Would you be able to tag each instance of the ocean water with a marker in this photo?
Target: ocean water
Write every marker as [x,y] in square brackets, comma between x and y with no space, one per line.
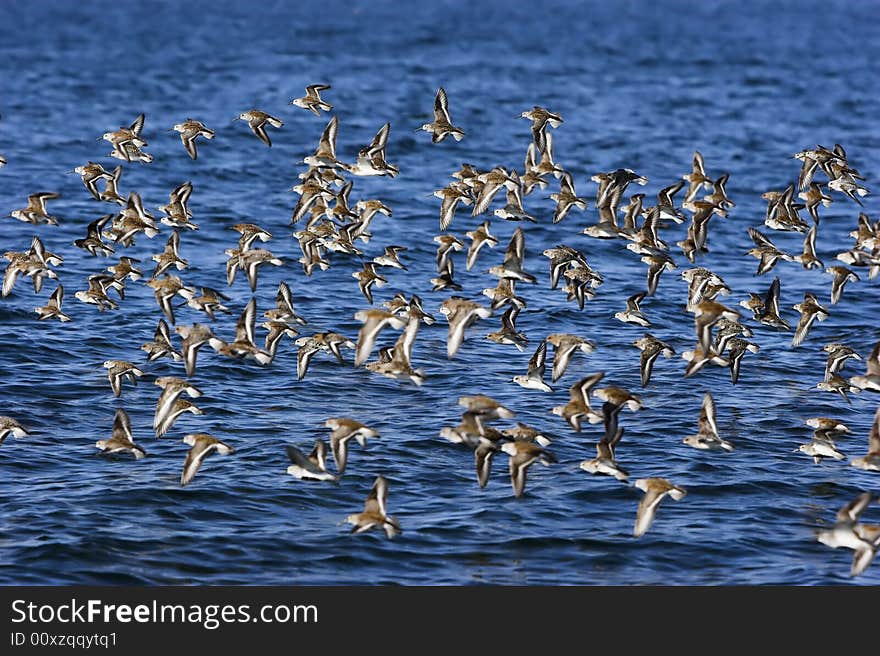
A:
[641,85]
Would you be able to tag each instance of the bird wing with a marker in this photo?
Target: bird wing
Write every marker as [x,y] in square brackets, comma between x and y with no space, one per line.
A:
[244,329]
[487,193]
[632,303]
[194,458]
[122,426]
[873,362]
[377,146]
[665,197]
[376,499]
[327,144]
[760,238]
[508,321]
[57,297]
[138,125]
[851,511]
[580,391]
[515,249]
[537,361]
[314,89]
[298,458]
[699,168]
[771,300]
[707,421]
[874,435]
[561,356]
[441,107]
[647,511]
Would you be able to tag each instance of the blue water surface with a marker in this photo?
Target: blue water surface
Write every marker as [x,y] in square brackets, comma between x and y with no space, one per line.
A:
[639,84]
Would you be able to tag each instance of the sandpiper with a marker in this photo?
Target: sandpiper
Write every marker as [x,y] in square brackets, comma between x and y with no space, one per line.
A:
[371,159]
[310,467]
[566,198]
[93,242]
[769,314]
[170,256]
[808,258]
[578,406]
[111,188]
[244,345]
[525,433]
[451,196]
[283,310]
[651,348]
[257,121]
[605,462]
[564,346]
[655,489]
[119,369]
[810,311]
[485,406]
[492,181]
[480,237]
[193,338]
[697,178]
[121,440]
[308,346]
[707,437]
[189,130]
[508,333]
[161,344]
[374,514]
[840,276]
[534,379]
[442,124]
[202,445]
[522,456]
[177,213]
[541,118]
[367,279]
[615,399]
[8,426]
[847,533]
[373,322]
[342,429]
[840,385]
[127,142]
[52,309]
[736,349]
[657,263]
[312,100]
[325,153]
[165,288]
[461,314]
[633,313]
[36,212]
[91,173]
[249,233]
[765,251]
[209,301]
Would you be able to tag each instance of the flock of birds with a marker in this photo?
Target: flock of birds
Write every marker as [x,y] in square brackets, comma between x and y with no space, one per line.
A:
[327,223]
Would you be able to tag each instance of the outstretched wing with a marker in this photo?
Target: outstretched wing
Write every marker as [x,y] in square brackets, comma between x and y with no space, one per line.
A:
[441,106]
